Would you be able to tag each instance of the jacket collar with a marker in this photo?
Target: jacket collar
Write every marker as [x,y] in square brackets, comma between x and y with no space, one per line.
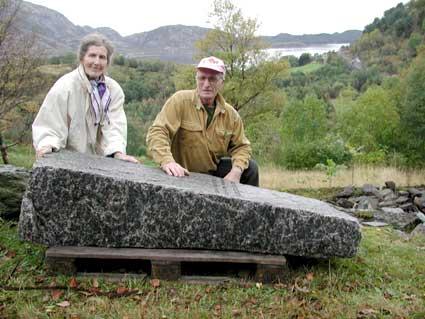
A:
[83,78]
[219,99]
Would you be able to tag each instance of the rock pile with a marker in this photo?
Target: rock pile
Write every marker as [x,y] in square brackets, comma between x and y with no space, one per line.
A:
[378,206]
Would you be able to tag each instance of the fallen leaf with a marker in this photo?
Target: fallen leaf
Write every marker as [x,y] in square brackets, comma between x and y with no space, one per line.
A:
[56,294]
[74,316]
[208,290]
[73,283]
[94,290]
[317,306]
[236,312]
[388,295]
[86,293]
[279,286]
[409,297]
[155,283]
[46,297]
[366,313]
[50,308]
[217,310]
[39,279]
[198,297]
[95,283]
[63,304]
[10,254]
[310,276]
[122,290]
[253,301]
[300,288]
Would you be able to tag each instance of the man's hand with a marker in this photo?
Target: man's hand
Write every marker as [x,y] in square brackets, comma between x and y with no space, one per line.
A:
[234,175]
[125,157]
[174,169]
[44,150]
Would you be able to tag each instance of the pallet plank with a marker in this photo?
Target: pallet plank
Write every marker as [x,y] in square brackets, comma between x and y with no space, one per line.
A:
[177,255]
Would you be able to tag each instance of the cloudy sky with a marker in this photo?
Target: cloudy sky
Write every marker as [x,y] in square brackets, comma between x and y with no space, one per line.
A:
[275,16]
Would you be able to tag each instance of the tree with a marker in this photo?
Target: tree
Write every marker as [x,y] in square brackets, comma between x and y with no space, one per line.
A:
[373,121]
[305,137]
[19,60]
[412,119]
[304,59]
[249,72]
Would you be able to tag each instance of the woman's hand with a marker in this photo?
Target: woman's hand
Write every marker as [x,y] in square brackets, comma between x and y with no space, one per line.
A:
[125,157]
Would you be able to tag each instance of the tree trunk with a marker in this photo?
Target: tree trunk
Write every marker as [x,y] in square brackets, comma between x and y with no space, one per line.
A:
[3,150]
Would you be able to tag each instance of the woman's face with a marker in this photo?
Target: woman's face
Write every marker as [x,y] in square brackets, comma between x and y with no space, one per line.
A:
[95,61]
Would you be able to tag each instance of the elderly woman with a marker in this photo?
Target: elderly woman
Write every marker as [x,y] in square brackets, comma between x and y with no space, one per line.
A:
[83,111]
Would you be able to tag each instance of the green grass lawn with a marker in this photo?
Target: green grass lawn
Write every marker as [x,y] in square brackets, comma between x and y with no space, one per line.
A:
[308,68]
[385,280]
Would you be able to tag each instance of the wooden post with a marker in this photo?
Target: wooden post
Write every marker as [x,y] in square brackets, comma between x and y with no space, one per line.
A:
[166,270]
[57,265]
[269,273]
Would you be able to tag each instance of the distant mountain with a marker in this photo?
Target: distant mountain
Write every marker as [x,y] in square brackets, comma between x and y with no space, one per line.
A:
[58,36]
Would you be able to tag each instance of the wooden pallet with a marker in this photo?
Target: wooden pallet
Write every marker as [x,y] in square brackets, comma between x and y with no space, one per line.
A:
[166,264]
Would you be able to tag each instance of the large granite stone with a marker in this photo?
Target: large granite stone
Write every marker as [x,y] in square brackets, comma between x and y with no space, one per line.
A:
[13,181]
[80,200]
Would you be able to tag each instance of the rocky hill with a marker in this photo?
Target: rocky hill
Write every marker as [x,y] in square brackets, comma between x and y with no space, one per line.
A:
[175,43]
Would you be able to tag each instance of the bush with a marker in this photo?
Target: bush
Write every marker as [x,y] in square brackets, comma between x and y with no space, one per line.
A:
[309,154]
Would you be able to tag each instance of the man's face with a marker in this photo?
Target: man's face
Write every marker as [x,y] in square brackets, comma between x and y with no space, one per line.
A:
[95,61]
[208,82]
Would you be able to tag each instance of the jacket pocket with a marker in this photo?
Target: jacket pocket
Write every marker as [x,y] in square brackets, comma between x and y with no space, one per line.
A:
[221,141]
[191,134]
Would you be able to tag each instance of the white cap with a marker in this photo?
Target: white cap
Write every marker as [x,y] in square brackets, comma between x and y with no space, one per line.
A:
[212,63]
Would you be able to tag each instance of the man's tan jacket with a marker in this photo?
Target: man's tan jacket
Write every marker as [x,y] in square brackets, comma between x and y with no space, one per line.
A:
[179,134]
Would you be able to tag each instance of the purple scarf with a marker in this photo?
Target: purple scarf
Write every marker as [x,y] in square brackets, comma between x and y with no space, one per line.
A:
[100,101]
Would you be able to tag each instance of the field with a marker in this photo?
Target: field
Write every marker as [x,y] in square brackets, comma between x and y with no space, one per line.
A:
[385,279]
[308,68]
[277,178]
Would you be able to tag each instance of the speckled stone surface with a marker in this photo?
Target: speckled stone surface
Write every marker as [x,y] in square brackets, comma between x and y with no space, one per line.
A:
[79,200]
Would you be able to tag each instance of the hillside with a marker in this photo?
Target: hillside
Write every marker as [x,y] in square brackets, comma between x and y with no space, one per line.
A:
[391,42]
[176,43]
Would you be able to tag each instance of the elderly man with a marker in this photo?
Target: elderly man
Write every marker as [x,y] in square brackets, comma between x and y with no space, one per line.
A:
[198,131]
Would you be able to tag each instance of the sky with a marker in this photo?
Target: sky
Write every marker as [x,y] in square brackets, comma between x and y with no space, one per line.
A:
[275,16]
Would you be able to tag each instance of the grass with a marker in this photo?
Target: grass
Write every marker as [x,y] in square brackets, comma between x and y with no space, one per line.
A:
[308,68]
[385,280]
[277,178]
[21,155]
[55,70]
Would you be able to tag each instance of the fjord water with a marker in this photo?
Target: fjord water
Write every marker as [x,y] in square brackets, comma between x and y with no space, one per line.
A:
[297,51]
